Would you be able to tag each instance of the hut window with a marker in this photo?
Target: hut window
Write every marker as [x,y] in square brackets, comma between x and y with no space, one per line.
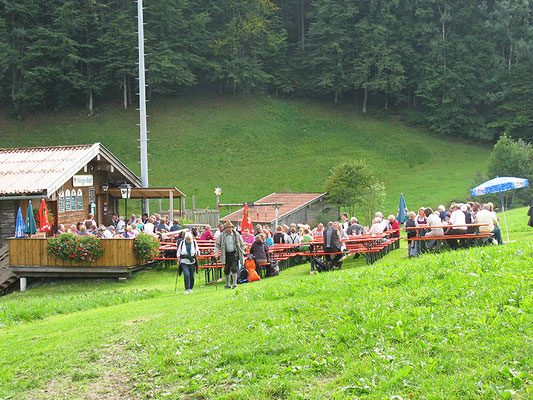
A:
[67,200]
[73,202]
[61,201]
[80,200]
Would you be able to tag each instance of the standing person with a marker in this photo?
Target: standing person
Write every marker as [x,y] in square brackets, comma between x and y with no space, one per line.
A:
[332,245]
[345,221]
[421,217]
[260,252]
[219,231]
[530,213]
[187,252]
[230,248]
[411,233]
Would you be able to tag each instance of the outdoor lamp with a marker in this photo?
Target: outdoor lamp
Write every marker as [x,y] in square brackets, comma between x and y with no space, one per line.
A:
[105,187]
[125,190]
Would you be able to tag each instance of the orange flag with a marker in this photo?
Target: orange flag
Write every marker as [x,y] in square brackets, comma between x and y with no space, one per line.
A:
[44,223]
[246,223]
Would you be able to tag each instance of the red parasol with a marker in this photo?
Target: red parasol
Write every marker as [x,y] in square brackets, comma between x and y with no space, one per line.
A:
[44,223]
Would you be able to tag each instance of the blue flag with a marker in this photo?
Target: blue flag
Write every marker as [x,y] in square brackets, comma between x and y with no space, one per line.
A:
[19,227]
[402,211]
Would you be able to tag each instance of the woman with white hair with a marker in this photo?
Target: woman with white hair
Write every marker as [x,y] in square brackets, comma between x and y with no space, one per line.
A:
[187,252]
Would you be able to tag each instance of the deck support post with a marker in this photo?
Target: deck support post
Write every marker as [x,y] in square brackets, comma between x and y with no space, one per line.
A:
[22,284]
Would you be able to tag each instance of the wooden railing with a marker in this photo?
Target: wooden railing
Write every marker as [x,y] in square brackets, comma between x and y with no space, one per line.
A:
[33,252]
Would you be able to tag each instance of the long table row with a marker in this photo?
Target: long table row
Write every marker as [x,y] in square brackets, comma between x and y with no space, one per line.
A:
[372,247]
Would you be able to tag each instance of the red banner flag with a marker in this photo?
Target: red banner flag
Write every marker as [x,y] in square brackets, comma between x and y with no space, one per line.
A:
[246,223]
[44,222]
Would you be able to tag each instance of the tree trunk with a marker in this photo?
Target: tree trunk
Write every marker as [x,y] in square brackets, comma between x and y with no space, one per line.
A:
[220,87]
[386,102]
[365,99]
[302,22]
[130,100]
[336,97]
[14,84]
[125,93]
[90,102]
[234,87]
[510,57]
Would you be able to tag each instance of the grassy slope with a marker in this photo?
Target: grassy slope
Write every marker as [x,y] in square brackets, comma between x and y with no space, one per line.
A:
[252,146]
[454,325]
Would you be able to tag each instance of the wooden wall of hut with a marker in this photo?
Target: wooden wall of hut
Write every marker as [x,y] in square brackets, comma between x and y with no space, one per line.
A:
[33,252]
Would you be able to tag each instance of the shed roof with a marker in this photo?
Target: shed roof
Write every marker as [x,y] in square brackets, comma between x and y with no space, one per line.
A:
[149,193]
[292,202]
[43,170]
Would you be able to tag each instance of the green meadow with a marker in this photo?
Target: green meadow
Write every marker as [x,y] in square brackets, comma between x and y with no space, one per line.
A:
[452,325]
[252,146]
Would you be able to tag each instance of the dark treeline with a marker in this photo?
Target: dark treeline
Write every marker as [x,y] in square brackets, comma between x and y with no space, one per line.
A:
[462,68]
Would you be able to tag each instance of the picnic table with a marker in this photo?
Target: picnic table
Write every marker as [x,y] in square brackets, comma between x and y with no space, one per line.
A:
[460,236]
[372,246]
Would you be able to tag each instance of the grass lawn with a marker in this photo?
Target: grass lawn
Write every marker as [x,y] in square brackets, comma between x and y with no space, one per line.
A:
[451,325]
[253,146]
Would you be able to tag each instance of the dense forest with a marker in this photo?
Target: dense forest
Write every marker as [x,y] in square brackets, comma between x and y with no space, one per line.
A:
[459,67]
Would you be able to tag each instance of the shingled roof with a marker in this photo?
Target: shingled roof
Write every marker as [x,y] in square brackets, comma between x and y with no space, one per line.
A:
[292,202]
[43,170]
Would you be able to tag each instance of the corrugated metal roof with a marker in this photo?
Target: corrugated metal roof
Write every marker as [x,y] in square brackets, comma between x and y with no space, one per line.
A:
[42,170]
[267,214]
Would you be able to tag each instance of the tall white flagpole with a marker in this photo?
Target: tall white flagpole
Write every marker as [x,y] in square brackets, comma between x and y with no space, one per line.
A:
[142,104]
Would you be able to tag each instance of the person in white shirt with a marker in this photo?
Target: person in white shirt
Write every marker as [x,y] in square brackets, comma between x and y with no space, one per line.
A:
[121,225]
[345,221]
[485,216]
[377,227]
[433,219]
[219,231]
[186,254]
[149,226]
[456,218]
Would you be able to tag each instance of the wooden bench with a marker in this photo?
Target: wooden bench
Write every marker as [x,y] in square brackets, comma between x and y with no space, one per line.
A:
[462,236]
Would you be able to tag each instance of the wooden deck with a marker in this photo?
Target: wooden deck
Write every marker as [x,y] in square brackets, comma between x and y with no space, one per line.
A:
[29,258]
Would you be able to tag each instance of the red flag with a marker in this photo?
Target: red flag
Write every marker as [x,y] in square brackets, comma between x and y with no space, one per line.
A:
[245,223]
[44,223]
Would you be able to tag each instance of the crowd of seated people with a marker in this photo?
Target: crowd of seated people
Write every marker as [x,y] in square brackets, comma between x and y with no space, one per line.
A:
[120,228]
[458,216]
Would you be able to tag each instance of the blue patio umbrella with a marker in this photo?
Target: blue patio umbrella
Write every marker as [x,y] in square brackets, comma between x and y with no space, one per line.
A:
[31,227]
[19,226]
[402,211]
[499,185]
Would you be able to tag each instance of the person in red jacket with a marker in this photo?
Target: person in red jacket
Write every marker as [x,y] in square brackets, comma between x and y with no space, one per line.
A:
[395,226]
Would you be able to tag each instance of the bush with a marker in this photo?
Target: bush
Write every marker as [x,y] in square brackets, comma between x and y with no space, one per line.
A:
[513,158]
[146,246]
[70,247]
